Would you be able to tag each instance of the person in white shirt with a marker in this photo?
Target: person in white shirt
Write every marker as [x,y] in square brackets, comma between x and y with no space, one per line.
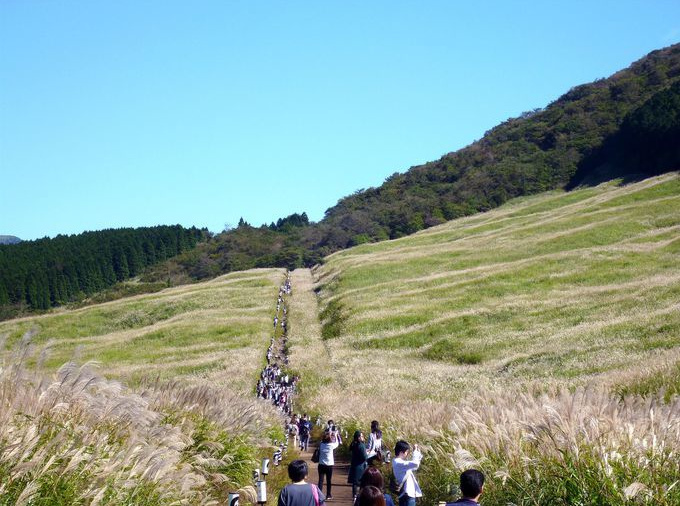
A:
[326,462]
[408,488]
[374,449]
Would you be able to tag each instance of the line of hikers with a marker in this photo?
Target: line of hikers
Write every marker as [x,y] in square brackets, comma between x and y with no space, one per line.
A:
[368,483]
[274,384]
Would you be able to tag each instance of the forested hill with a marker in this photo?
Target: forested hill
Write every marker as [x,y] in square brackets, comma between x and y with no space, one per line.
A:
[541,150]
[47,272]
[626,124]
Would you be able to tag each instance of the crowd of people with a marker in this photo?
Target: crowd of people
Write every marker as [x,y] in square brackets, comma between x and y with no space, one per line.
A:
[367,455]
[365,475]
[274,384]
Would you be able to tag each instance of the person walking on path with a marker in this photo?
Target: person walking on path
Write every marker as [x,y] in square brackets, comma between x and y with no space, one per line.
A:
[471,486]
[407,485]
[358,463]
[305,427]
[299,492]
[326,462]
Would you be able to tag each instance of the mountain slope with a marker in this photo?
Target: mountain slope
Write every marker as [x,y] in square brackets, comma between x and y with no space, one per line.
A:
[561,289]
[162,411]
[517,342]
[575,139]
[538,151]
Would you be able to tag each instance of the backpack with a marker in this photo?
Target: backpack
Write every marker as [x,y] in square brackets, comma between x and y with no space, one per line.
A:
[316,455]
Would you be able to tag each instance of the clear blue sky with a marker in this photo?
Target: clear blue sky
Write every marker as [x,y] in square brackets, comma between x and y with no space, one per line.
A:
[135,113]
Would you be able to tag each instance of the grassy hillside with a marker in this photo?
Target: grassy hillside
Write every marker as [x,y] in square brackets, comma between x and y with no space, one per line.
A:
[182,427]
[563,287]
[508,340]
[216,330]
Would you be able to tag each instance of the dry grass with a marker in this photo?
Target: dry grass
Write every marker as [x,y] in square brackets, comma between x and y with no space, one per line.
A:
[562,289]
[186,429]
[506,340]
[76,437]
[212,331]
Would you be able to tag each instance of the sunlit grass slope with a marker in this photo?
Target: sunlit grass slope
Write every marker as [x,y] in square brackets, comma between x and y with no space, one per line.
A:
[182,427]
[216,331]
[557,289]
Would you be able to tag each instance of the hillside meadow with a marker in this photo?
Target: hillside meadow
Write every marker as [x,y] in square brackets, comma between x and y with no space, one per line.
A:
[143,401]
[539,341]
[216,331]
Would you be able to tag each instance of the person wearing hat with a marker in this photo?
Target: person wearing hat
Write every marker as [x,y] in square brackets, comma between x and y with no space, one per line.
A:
[358,463]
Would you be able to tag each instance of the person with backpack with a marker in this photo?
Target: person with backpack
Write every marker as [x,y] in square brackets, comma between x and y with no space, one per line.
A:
[294,430]
[326,460]
[358,463]
[374,449]
[299,492]
[407,487]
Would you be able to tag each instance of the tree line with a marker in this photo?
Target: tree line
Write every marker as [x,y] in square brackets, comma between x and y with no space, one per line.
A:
[47,272]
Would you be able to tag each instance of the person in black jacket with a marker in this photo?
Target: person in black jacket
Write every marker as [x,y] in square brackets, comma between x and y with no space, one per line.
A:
[358,463]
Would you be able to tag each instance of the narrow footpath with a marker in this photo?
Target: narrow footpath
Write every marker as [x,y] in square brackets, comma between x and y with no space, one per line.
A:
[278,387]
[341,490]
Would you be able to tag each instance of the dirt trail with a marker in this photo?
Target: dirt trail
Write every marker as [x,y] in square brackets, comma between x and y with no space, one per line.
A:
[341,490]
[308,347]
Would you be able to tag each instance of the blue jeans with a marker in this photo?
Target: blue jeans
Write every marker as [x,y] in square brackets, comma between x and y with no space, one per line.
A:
[405,500]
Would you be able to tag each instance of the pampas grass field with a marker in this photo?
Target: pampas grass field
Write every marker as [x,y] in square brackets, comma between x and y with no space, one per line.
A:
[142,401]
[76,437]
[215,331]
[539,342]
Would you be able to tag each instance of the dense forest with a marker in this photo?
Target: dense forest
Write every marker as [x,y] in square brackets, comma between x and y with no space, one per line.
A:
[280,244]
[624,125]
[48,272]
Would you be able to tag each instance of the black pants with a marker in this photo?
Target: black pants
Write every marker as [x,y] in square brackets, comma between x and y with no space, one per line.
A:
[328,471]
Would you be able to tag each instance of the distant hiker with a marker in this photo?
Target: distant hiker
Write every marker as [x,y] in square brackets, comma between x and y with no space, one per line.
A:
[326,462]
[374,449]
[471,487]
[293,429]
[305,428]
[300,493]
[373,477]
[407,485]
[358,463]
[370,496]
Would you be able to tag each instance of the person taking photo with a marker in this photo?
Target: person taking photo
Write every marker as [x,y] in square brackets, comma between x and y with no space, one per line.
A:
[403,469]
